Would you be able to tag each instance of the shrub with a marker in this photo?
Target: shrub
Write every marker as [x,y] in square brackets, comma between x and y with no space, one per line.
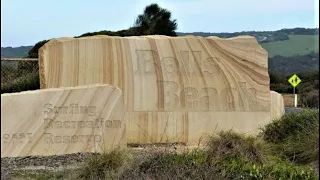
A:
[101,166]
[164,165]
[19,76]
[229,145]
[27,82]
[295,136]
[290,125]
[310,99]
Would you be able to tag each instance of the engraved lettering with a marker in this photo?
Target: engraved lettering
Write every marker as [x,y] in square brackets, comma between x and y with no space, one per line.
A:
[48,109]
[74,139]
[146,62]
[171,98]
[48,138]
[57,139]
[73,108]
[89,124]
[209,99]
[66,139]
[171,65]
[188,98]
[82,124]
[210,67]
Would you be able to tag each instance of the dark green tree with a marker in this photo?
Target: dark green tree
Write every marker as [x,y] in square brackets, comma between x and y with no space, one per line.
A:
[33,52]
[155,20]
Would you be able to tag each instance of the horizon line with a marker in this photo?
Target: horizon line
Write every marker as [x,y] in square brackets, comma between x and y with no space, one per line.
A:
[190,32]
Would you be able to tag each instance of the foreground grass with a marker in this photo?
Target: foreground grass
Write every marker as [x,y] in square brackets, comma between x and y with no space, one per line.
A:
[286,149]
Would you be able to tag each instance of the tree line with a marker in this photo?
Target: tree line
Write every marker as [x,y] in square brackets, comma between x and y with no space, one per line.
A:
[153,21]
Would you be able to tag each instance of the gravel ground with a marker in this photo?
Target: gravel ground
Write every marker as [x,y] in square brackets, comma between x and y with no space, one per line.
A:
[40,162]
[9,164]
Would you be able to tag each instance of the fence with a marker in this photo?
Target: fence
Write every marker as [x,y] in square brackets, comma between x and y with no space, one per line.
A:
[19,74]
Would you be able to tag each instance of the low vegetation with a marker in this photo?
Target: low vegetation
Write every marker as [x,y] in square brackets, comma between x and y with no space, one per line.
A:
[295,136]
[294,64]
[19,76]
[287,148]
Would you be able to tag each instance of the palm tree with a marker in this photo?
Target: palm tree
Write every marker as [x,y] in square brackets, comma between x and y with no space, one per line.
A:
[155,20]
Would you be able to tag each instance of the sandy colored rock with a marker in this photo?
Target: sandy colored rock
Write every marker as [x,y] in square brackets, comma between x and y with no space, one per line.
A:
[277,105]
[62,121]
[175,88]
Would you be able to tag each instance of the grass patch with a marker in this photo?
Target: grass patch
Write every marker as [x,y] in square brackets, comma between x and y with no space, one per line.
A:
[295,45]
[102,166]
[226,156]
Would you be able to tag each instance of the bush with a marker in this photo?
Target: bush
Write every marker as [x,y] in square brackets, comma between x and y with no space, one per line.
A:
[310,99]
[291,125]
[19,76]
[295,136]
[226,156]
[27,82]
[281,88]
[229,156]
[101,166]
[164,165]
[230,145]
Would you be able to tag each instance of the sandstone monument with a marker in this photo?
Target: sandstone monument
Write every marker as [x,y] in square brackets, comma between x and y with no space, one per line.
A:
[175,89]
[62,121]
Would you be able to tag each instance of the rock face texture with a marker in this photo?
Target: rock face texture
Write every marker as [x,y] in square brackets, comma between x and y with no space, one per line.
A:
[62,121]
[277,105]
[174,88]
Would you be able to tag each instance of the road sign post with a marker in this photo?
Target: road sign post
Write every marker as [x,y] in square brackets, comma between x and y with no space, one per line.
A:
[294,81]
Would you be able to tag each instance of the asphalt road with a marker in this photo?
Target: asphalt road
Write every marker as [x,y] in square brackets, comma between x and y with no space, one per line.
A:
[292,110]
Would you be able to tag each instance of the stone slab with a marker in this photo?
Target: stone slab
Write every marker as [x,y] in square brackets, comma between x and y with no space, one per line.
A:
[277,105]
[62,121]
[187,82]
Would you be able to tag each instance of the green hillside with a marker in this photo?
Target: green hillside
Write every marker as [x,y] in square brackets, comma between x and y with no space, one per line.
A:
[15,52]
[295,45]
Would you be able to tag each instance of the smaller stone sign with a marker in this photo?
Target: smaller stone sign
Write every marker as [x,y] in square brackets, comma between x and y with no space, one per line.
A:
[62,121]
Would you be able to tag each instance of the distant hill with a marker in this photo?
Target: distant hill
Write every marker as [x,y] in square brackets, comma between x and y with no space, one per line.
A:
[290,50]
[15,52]
[294,64]
[294,46]
[261,36]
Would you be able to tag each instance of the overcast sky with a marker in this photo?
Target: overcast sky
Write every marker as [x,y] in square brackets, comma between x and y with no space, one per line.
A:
[25,22]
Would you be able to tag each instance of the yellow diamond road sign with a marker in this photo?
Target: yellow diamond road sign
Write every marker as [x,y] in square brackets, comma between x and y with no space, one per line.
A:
[294,80]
